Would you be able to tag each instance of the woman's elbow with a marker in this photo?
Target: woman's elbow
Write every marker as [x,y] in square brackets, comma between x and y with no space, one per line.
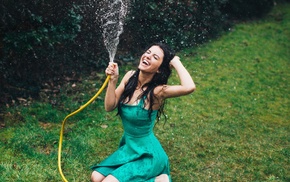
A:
[109,109]
[191,89]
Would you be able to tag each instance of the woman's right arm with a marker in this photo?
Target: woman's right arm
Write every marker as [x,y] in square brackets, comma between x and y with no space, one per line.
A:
[113,92]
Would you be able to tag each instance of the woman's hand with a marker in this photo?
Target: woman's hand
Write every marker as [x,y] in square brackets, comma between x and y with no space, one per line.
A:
[112,70]
[173,63]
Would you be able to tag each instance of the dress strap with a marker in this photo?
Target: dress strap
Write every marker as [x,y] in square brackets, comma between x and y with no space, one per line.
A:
[142,101]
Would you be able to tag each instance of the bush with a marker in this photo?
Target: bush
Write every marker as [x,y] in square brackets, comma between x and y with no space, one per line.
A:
[247,9]
[182,23]
[46,41]
[33,43]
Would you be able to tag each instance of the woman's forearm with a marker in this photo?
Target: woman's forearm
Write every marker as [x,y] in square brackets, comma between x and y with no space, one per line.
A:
[184,76]
[110,97]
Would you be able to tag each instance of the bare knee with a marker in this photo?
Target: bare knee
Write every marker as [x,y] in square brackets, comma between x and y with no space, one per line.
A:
[162,178]
[110,178]
[97,177]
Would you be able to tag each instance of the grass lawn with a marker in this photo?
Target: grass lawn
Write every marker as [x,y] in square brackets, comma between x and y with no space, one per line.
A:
[235,127]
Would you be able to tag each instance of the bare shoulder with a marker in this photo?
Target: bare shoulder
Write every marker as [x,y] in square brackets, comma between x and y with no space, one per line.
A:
[123,83]
[128,75]
[159,96]
[126,78]
[159,90]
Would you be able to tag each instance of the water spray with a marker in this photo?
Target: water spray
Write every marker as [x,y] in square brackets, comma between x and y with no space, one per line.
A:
[112,22]
[112,14]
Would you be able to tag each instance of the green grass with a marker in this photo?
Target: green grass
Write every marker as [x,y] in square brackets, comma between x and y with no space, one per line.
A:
[235,127]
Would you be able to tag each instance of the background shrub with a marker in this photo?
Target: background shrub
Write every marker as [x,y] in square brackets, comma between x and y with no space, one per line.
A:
[247,9]
[45,42]
[182,23]
[48,41]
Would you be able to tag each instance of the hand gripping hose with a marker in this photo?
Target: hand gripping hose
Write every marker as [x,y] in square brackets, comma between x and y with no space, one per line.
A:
[71,114]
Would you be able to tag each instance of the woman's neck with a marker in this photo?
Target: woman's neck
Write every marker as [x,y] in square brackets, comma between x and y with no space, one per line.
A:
[144,78]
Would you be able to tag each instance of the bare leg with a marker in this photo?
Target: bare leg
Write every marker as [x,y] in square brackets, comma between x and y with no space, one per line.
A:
[162,178]
[110,178]
[97,177]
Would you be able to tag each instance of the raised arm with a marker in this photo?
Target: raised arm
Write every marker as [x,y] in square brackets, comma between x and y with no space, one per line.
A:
[186,86]
[111,97]
[113,92]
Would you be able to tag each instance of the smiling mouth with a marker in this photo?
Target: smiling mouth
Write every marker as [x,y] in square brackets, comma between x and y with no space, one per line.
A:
[145,62]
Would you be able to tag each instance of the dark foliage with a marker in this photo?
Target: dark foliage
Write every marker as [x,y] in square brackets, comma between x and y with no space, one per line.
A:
[247,9]
[178,23]
[46,41]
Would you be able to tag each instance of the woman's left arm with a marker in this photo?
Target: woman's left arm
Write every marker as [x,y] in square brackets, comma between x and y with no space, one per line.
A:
[186,86]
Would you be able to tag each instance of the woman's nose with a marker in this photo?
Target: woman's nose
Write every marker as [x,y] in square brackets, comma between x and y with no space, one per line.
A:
[148,55]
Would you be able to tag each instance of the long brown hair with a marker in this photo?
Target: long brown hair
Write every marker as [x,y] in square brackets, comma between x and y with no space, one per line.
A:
[160,78]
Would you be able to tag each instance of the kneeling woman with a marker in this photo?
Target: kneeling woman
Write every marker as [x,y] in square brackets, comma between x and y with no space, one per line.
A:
[140,99]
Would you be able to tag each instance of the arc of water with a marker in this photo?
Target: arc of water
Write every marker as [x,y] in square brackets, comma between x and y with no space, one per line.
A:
[112,21]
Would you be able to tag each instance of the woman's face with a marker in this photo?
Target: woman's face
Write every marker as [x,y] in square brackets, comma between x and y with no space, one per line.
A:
[151,59]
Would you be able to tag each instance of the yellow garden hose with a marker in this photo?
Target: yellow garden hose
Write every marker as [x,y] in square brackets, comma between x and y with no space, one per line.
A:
[71,114]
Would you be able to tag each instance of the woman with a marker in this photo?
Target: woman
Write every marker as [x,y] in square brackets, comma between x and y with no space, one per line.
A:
[140,99]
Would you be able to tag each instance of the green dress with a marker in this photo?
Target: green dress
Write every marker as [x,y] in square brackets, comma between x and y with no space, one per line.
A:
[140,156]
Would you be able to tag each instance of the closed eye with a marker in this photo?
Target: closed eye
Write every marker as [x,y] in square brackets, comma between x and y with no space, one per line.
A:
[156,57]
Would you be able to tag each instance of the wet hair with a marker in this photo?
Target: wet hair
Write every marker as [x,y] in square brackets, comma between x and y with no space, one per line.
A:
[160,78]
